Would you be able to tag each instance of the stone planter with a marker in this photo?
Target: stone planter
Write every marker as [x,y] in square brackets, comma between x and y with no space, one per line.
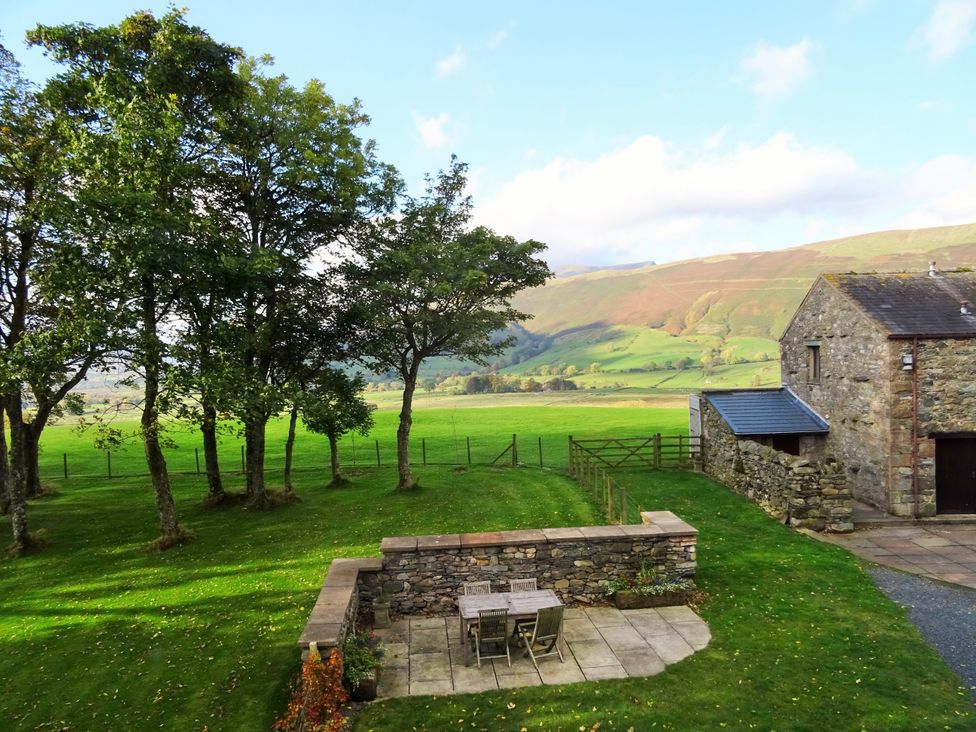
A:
[365,690]
[381,614]
[627,600]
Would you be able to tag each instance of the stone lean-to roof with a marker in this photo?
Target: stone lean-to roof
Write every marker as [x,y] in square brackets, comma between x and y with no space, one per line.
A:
[914,305]
[766,412]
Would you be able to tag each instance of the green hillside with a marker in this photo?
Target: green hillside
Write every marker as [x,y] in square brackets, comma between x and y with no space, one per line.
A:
[633,326]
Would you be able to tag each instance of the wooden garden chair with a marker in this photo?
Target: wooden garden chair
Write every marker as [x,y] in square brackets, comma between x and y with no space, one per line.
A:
[477,588]
[491,630]
[541,636]
[523,585]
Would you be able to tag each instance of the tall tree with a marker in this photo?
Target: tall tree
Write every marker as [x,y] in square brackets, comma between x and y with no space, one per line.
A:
[295,180]
[143,97]
[57,310]
[333,407]
[431,286]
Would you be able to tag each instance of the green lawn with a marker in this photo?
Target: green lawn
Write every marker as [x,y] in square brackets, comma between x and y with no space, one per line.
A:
[802,640]
[96,633]
[444,431]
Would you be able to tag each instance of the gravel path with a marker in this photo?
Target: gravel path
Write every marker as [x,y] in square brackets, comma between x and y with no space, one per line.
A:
[945,615]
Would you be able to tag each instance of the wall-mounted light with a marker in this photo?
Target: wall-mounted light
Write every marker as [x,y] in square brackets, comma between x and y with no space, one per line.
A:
[907,362]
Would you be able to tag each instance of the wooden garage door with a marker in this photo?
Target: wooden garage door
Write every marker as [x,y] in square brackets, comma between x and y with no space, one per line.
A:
[955,475]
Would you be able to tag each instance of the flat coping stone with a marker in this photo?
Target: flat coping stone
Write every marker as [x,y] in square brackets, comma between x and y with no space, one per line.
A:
[569,533]
[438,541]
[642,530]
[610,531]
[325,634]
[668,522]
[483,538]
[524,536]
[398,544]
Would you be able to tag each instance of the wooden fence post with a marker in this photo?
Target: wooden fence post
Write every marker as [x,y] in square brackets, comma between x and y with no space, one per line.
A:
[196,454]
[378,454]
[423,447]
[540,452]
[109,454]
[572,465]
[468,441]
[514,452]
[243,462]
[66,466]
[657,449]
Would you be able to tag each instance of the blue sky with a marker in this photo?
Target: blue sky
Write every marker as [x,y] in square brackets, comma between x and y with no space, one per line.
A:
[630,131]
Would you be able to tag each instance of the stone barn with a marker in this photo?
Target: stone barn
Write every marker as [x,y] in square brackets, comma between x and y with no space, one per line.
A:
[889,362]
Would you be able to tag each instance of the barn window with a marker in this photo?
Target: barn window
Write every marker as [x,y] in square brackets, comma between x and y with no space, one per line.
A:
[813,363]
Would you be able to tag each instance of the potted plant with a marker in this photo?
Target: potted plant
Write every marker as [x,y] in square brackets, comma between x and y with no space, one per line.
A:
[646,589]
[362,654]
[381,610]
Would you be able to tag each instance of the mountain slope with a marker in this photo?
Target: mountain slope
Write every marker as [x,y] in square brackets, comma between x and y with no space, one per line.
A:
[752,294]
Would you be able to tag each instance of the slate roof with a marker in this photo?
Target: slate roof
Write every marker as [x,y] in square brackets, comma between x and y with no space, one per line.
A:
[914,305]
[766,412]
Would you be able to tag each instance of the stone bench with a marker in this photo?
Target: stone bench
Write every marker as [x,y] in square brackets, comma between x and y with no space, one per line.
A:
[334,612]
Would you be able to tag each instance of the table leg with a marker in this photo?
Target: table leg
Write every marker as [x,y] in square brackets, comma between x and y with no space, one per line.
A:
[465,650]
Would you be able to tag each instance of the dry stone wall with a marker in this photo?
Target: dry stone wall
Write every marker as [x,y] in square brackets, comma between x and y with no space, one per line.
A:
[811,495]
[424,574]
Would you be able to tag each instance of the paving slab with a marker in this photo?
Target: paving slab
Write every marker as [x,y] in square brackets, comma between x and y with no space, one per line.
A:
[623,638]
[427,640]
[671,648]
[590,654]
[554,672]
[430,666]
[580,630]
[516,680]
[695,633]
[393,682]
[396,655]
[428,624]
[605,616]
[641,663]
[615,671]
[431,688]
[678,614]
[647,622]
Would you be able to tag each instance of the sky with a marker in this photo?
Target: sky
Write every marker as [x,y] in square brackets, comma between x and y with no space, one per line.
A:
[631,131]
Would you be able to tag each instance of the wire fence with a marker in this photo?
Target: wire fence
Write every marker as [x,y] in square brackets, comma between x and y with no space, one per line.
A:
[311,454]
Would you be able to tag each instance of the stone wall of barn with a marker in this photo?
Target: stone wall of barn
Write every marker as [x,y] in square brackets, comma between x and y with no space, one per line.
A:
[796,490]
[946,374]
[852,393]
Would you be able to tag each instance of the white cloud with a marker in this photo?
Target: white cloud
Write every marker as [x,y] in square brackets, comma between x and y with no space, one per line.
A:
[433,130]
[646,199]
[948,28]
[451,64]
[941,191]
[715,139]
[774,71]
[496,39]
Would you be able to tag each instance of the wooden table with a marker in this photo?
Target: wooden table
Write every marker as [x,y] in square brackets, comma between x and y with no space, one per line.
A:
[520,606]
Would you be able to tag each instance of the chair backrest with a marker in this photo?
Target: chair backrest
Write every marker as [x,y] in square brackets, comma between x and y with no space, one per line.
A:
[547,622]
[477,588]
[523,585]
[493,624]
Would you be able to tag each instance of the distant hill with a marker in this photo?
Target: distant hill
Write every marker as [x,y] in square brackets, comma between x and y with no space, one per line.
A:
[751,294]
[631,325]
[571,270]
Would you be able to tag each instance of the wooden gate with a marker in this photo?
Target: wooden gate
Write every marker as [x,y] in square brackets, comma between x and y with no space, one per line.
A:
[655,451]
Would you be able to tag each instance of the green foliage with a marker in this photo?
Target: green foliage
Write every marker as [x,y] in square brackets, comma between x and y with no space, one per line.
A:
[362,654]
[334,405]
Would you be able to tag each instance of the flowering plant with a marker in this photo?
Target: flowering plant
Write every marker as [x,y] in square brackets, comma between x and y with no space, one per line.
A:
[646,582]
[361,653]
[317,697]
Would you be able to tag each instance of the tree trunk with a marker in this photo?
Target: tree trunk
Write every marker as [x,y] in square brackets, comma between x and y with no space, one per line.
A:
[254,457]
[17,475]
[171,533]
[405,481]
[215,487]
[32,476]
[4,467]
[290,448]
[334,460]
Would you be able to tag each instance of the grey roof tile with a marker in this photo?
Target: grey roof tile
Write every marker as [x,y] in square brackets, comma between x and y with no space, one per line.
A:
[766,412]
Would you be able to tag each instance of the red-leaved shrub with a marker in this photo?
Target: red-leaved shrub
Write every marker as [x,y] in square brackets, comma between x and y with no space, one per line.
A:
[317,698]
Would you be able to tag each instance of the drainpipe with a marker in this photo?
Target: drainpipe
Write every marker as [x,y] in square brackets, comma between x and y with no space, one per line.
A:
[915,428]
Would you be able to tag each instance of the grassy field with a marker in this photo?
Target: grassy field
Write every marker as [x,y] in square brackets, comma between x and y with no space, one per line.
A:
[444,431]
[97,633]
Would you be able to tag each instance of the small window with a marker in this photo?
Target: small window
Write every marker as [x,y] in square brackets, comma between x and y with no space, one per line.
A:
[813,364]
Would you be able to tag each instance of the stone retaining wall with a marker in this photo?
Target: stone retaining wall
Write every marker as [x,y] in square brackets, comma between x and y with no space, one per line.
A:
[424,574]
[811,495]
[334,612]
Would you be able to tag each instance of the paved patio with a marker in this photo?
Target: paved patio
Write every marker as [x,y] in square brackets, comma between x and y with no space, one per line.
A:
[942,552]
[423,655]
